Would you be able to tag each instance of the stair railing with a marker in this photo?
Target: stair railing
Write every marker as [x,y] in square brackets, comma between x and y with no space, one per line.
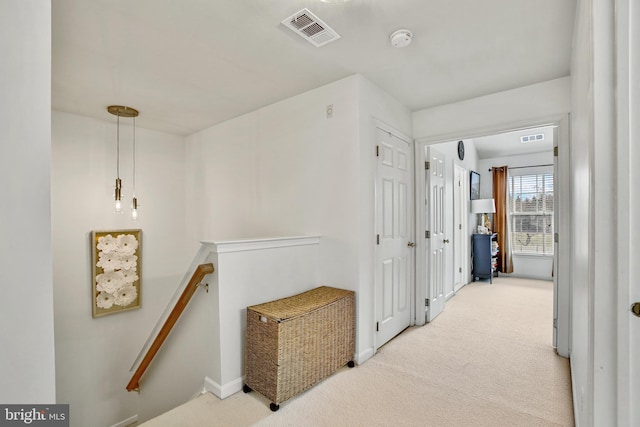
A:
[196,279]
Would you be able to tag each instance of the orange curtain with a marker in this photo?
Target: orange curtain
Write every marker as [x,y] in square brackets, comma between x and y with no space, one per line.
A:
[500,226]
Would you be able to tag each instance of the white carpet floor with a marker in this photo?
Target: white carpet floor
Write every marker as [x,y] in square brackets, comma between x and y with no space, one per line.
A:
[487,360]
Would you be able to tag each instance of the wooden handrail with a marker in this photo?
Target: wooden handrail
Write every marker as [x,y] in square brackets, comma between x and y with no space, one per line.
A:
[201,271]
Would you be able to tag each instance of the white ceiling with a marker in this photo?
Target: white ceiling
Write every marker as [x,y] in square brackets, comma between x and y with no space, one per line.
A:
[509,143]
[190,64]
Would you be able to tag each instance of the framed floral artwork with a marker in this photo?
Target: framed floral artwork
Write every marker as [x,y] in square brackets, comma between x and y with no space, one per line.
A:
[115,260]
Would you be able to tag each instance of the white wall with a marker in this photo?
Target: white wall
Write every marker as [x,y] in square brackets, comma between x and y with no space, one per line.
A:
[532,266]
[499,111]
[93,356]
[279,268]
[283,170]
[26,307]
[600,355]
[628,227]
[603,257]
[581,158]
[287,169]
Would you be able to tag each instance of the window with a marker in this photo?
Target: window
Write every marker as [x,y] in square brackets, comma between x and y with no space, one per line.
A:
[531,213]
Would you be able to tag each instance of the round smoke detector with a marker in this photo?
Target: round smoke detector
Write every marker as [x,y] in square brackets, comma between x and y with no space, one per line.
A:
[400,38]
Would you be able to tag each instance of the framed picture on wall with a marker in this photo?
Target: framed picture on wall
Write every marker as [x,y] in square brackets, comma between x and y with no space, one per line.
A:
[115,260]
[475,185]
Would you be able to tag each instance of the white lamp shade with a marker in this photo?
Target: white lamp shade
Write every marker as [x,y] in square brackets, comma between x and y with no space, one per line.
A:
[483,206]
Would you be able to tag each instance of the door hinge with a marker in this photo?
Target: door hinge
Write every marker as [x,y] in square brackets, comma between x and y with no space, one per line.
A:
[555,323]
[555,151]
[459,226]
[556,237]
[377,151]
[427,165]
[426,302]
[377,239]
[459,269]
[377,326]
[427,234]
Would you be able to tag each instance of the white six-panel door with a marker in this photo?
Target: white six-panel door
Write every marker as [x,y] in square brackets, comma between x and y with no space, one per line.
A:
[394,234]
[437,239]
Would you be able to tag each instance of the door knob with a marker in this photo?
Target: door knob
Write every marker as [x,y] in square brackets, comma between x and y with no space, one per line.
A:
[445,241]
[411,244]
[635,308]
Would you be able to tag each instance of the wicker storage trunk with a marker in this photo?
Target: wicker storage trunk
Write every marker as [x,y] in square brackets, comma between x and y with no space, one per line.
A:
[293,343]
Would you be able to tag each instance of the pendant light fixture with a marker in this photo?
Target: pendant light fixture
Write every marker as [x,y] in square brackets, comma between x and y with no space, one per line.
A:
[122,111]
[134,200]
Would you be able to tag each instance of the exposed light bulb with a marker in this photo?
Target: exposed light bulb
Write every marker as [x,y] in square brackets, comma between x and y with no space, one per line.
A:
[134,209]
[118,196]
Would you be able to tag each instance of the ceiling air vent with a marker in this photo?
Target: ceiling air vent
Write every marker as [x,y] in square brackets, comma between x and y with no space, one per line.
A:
[531,138]
[311,28]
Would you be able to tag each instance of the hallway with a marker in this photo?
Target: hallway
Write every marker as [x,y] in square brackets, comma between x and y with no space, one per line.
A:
[486,360]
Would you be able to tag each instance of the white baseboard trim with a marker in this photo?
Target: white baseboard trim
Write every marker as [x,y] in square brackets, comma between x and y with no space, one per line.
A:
[212,387]
[526,276]
[364,356]
[223,391]
[127,422]
[232,387]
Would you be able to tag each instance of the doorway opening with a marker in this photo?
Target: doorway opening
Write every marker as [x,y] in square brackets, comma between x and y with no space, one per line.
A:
[524,148]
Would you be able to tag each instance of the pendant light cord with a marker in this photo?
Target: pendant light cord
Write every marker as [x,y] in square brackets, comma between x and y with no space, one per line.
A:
[134,157]
[118,149]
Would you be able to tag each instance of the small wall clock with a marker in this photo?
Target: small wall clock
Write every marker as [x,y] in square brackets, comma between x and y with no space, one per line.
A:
[461,150]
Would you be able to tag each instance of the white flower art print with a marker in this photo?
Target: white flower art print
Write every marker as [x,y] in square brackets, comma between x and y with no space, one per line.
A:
[116,271]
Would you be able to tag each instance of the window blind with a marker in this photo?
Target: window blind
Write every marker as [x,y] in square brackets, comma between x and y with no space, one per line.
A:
[531,213]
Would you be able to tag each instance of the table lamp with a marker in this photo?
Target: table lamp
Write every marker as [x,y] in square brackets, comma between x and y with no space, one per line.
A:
[484,207]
